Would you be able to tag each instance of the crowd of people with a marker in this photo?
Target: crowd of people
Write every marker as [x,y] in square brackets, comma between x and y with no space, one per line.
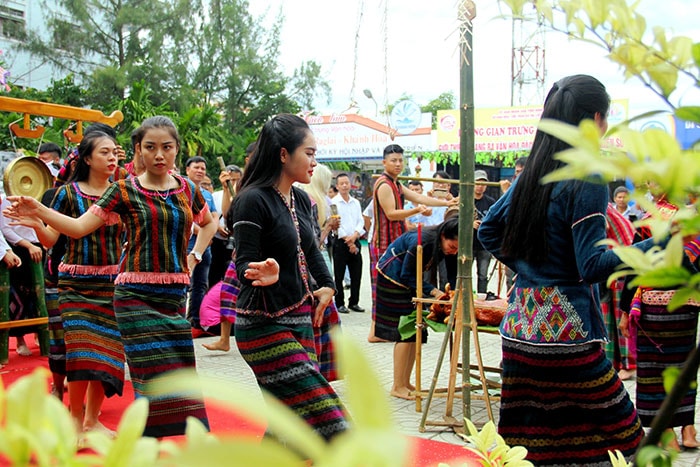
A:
[140,260]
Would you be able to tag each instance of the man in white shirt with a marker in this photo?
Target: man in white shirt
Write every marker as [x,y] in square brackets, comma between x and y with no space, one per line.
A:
[346,251]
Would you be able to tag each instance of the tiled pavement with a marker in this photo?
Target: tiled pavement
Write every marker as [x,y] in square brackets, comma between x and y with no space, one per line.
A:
[231,367]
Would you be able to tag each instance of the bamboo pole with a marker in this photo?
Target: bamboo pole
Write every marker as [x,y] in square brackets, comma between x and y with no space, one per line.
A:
[442,180]
[467,13]
[419,320]
[443,349]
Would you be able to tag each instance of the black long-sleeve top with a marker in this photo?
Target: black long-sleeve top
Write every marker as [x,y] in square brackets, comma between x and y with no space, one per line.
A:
[263,228]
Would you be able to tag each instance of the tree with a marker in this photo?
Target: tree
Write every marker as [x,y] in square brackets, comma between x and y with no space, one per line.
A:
[444,101]
[187,53]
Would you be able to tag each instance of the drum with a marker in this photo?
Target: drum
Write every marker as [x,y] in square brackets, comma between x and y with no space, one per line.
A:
[27,176]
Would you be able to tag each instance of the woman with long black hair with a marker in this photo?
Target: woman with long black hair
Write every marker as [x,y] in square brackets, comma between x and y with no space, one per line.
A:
[276,252]
[396,287]
[94,353]
[561,396]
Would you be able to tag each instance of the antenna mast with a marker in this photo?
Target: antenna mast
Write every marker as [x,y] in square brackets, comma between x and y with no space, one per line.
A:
[528,72]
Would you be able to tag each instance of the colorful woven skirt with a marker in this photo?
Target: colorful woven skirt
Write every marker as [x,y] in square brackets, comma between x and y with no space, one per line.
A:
[565,404]
[57,345]
[229,293]
[282,355]
[158,339]
[393,302]
[373,259]
[94,350]
[664,339]
[620,350]
[324,344]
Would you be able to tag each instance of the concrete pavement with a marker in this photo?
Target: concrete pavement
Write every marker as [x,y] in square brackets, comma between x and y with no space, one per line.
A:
[231,367]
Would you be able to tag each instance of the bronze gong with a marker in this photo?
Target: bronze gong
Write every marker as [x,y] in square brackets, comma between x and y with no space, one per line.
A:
[27,176]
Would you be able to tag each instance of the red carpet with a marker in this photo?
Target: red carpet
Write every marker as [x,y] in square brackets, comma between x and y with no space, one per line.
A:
[426,452]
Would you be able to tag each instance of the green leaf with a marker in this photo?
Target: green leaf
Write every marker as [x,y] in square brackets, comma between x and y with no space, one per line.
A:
[665,76]
[237,451]
[696,54]
[670,375]
[585,136]
[366,396]
[674,252]
[634,258]
[280,419]
[663,277]
[689,113]
[648,455]
[367,447]
[682,296]
[516,6]
[129,432]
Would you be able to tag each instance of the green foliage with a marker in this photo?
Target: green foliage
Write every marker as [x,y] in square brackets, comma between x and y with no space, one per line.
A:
[618,459]
[169,62]
[658,59]
[495,158]
[650,156]
[38,427]
[444,101]
[492,449]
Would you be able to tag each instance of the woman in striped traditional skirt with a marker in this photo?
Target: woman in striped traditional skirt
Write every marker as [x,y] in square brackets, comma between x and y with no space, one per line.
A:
[619,350]
[664,339]
[157,209]
[275,254]
[94,354]
[396,287]
[323,224]
[561,397]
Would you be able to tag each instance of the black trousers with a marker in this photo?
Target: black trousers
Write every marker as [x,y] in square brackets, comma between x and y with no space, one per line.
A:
[342,258]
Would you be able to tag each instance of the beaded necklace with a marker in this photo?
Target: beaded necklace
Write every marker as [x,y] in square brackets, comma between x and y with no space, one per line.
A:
[302,258]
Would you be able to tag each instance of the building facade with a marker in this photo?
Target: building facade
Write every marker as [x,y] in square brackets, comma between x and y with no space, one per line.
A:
[17,17]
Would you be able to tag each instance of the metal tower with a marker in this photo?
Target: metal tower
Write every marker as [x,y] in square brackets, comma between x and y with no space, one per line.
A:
[528,71]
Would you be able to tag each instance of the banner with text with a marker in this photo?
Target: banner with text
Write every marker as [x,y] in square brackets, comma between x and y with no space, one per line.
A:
[505,128]
[350,137]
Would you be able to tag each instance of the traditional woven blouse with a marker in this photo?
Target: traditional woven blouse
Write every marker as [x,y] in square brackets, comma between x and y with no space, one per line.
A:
[557,302]
[95,253]
[264,228]
[386,230]
[158,226]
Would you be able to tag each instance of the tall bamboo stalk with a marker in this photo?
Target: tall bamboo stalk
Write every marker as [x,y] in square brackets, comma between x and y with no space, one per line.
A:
[467,12]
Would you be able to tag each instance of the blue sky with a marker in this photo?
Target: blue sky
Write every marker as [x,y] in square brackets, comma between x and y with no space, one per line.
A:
[421,48]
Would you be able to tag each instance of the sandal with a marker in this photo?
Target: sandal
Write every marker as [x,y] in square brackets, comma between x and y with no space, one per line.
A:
[689,438]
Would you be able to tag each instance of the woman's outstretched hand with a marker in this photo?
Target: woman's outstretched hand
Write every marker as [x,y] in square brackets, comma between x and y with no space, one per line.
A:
[22,206]
[263,273]
[323,297]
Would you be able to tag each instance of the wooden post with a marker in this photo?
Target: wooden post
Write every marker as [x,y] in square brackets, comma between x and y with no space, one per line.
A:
[419,321]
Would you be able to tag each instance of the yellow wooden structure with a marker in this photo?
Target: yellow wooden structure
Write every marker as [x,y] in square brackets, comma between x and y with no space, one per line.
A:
[44,109]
